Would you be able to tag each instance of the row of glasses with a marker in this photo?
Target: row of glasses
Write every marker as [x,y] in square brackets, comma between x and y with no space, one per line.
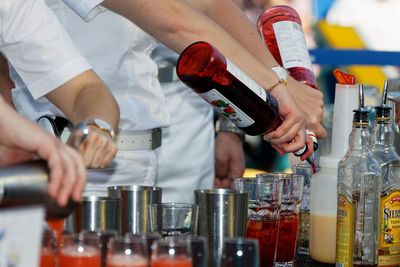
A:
[273,215]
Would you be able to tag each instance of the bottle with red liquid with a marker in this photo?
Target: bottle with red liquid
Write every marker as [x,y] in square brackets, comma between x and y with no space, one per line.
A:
[228,89]
[281,28]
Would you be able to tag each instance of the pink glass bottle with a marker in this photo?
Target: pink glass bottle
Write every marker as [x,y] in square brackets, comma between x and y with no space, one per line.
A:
[280,26]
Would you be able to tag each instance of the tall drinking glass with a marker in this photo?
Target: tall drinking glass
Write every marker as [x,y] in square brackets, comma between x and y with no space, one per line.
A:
[172,219]
[127,251]
[80,250]
[148,240]
[48,250]
[263,214]
[307,171]
[289,215]
[173,251]
[239,252]
[104,238]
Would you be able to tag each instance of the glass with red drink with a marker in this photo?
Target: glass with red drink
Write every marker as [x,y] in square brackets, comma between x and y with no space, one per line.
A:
[127,251]
[173,251]
[289,215]
[48,250]
[263,214]
[80,250]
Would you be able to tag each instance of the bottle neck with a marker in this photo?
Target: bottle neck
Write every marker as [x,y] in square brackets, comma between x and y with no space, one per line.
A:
[359,139]
[382,135]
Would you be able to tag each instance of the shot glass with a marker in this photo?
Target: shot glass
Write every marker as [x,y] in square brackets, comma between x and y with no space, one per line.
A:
[48,250]
[80,250]
[263,214]
[148,240]
[304,235]
[174,219]
[104,239]
[173,251]
[239,252]
[127,251]
[289,215]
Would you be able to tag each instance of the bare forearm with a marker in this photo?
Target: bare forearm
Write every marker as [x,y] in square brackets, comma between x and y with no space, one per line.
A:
[5,82]
[86,97]
[177,24]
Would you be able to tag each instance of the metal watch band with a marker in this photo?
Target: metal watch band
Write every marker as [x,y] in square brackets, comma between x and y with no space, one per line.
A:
[225,125]
[102,125]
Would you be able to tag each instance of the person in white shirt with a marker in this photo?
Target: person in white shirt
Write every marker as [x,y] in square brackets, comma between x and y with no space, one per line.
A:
[31,38]
[21,140]
[41,68]
[130,73]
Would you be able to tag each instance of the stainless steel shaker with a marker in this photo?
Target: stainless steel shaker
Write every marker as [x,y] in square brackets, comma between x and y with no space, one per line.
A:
[95,213]
[222,214]
[135,200]
[27,184]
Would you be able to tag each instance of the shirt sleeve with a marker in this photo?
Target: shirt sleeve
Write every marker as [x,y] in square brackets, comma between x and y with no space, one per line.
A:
[37,46]
[86,9]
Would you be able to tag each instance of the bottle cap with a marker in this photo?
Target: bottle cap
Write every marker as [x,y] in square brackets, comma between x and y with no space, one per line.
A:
[382,111]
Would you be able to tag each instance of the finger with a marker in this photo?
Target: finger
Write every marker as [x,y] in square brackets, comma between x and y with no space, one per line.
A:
[88,148]
[81,177]
[68,179]
[99,151]
[226,183]
[55,164]
[221,167]
[278,149]
[110,152]
[297,143]
[310,149]
[286,132]
[217,183]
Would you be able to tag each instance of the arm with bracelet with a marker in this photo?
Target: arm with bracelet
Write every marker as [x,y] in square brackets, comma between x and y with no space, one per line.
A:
[229,154]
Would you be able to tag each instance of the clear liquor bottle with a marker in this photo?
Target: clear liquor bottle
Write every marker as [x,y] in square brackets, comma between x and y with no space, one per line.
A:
[358,189]
[389,206]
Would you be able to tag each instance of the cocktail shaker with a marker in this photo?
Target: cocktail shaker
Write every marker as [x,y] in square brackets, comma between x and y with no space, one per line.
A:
[27,184]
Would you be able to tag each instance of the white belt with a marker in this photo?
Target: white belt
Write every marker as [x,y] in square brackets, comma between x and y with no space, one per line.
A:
[139,140]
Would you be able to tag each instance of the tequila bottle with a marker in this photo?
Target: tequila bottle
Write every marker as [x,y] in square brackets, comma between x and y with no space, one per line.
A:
[358,189]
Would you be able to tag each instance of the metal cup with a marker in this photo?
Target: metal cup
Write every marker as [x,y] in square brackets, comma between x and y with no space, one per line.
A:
[222,214]
[27,184]
[134,216]
[95,213]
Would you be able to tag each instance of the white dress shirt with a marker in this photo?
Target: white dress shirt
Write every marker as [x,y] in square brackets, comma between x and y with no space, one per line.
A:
[119,52]
[37,46]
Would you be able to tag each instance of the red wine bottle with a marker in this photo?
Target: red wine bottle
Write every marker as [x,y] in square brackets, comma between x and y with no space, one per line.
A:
[234,95]
[280,26]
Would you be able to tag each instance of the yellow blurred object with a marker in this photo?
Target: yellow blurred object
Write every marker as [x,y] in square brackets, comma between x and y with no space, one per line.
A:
[347,38]
[252,172]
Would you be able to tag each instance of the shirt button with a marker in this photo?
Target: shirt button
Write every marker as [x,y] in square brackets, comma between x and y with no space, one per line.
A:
[154,82]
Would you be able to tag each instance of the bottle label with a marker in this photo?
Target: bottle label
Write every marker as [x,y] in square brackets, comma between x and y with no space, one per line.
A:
[227,108]
[344,232]
[389,229]
[246,80]
[292,45]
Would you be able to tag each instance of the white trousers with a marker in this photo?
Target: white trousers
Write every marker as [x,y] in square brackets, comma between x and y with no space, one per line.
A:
[186,156]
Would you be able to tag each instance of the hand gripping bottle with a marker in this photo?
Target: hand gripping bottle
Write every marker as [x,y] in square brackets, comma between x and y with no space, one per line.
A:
[234,95]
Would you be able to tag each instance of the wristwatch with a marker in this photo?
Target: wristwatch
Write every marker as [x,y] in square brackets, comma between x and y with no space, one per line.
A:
[283,76]
[102,125]
[225,125]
